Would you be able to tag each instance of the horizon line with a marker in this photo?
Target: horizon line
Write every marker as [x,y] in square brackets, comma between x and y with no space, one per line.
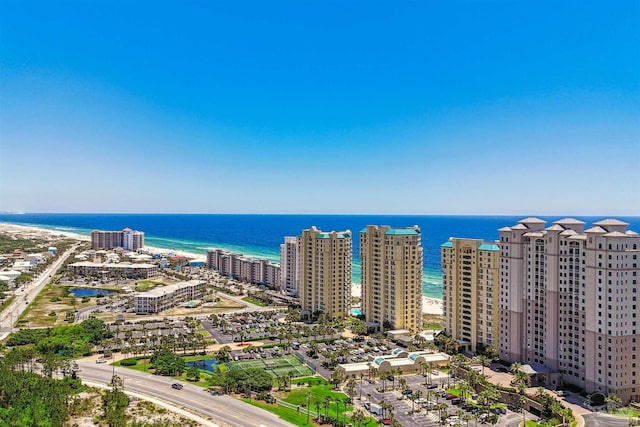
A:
[637,215]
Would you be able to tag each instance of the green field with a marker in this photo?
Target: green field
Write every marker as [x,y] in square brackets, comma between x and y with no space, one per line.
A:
[254,301]
[276,367]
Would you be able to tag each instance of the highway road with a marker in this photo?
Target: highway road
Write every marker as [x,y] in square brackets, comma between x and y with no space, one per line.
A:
[26,296]
[223,410]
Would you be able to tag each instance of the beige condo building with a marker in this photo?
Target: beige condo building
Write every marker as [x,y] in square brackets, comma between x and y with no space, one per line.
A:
[391,261]
[325,273]
[470,269]
[569,303]
[289,271]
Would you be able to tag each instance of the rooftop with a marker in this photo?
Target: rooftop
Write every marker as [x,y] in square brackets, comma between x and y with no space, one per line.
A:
[162,290]
[489,247]
[402,231]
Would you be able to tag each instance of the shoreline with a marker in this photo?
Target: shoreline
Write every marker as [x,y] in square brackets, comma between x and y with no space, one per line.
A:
[430,305]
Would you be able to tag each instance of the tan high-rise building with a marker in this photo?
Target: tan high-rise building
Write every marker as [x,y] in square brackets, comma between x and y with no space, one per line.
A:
[470,269]
[290,274]
[325,273]
[391,260]
[569,302]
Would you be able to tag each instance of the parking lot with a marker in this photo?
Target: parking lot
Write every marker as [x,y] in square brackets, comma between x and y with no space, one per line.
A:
[425,407]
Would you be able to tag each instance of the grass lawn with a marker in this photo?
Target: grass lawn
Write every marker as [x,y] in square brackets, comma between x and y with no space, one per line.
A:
[627,412]
[145,285]
[6,303]
[306,380]
[254,301]
[318,394]
[287,414]
[300,418]
[38,312]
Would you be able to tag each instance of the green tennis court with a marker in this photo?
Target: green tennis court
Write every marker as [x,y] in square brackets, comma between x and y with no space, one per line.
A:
[280,366]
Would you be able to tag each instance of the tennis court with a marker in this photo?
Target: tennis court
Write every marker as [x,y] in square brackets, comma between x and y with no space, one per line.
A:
[280,366]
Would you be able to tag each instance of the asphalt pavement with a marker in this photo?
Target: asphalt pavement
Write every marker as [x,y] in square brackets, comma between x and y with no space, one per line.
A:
[25,297]
[223,410]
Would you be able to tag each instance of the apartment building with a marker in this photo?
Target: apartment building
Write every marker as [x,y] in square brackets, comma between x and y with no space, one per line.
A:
[289,273]
[391,260]
[110,270]
[259,271]
[325,273]
[470,271]
[165,297]
[569,302]
[126,238]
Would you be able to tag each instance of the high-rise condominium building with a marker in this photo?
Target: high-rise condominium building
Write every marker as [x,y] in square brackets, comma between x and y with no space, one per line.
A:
[391,260]
[470,285]
[127,239]
[289,273]
[569,302]
[132,240]
[325,273]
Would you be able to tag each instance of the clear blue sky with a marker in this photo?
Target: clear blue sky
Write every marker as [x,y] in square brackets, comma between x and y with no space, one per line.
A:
[425,107]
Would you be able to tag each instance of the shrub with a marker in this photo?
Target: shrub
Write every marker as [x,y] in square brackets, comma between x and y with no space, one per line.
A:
[132,361]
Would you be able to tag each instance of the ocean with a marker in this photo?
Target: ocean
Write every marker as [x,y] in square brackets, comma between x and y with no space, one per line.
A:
[261,235]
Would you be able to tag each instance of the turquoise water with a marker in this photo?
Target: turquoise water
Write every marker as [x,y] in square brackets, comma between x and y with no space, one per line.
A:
[355,312]
[261,235]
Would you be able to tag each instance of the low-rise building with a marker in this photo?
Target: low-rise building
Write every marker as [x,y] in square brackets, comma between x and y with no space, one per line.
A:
[121,270]
[166,297]
[406,361]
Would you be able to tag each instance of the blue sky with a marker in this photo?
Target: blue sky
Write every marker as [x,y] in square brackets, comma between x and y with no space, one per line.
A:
[425,107]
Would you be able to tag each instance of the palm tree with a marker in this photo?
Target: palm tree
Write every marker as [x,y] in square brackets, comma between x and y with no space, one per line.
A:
[358,417]
[415,396]
[484,361]
[403,383]
[361,378]
[327,401]
[611,400]
[464,389]
[351,389]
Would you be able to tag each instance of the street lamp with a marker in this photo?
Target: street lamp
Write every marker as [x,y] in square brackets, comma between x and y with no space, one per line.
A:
[308,399]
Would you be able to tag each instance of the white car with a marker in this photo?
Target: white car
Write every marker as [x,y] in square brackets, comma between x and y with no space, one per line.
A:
[101,360]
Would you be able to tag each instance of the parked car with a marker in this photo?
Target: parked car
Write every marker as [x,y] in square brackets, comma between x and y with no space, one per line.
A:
[101,360]
[177,386]
[432,386]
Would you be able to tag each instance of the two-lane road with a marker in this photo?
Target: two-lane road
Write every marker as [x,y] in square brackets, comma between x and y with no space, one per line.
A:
[222,409]
[24,298]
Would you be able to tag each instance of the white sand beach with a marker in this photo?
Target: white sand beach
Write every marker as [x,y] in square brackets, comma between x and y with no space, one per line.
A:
[37,232]
[429,305]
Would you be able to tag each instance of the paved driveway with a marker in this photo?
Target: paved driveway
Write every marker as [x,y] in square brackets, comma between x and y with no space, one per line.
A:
[602,420]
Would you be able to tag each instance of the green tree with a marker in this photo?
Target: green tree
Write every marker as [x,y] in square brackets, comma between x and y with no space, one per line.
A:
[166,362]
[612,400]
[193,374]
[115,403]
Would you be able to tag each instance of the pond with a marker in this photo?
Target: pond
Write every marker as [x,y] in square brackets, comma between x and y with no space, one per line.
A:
[88,292]
[210,365]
